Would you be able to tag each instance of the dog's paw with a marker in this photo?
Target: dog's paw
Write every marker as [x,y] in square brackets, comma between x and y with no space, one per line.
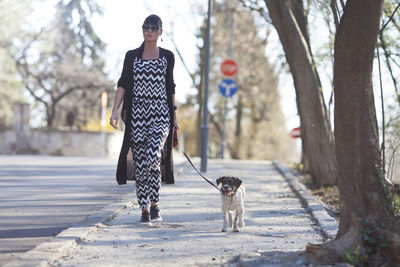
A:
[236,230]
[223,230]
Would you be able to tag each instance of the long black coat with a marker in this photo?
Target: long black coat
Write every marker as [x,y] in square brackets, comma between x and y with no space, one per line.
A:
[125,168]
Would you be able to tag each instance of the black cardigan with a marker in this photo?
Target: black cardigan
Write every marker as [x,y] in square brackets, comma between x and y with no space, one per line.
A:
[125,168]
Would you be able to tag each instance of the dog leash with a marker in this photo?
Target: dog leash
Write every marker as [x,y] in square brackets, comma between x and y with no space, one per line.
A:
[211,183]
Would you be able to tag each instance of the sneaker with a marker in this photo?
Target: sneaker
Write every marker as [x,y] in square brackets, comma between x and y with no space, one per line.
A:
[155,214]
[145,217]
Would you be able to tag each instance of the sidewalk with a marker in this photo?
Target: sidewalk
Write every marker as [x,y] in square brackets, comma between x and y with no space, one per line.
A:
[279,224]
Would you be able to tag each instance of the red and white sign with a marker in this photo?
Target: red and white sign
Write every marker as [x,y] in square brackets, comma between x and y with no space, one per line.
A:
[295,132]
[229,67]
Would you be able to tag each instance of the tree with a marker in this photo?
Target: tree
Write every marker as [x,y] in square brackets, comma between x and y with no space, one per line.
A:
[12,16]
[290,22]
[61,67]
[315,126]
[388,37]
[367,217]
[389,49]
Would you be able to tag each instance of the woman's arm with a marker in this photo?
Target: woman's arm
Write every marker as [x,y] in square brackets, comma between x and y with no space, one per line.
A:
[119,96]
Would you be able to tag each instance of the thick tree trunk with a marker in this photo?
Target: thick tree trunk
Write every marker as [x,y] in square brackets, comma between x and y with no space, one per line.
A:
[316,133]
[366,219]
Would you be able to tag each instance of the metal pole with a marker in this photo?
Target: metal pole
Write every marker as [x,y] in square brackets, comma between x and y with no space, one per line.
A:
[204,127]
[230,52]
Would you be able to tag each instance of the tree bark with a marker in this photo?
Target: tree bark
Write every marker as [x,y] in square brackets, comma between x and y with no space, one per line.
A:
[238,130]
[366,219]
[316,133]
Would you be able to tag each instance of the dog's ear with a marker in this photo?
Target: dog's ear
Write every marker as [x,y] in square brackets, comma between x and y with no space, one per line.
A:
[238,182]
[219,180]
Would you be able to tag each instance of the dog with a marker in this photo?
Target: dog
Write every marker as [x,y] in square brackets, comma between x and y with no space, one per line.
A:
[232,195]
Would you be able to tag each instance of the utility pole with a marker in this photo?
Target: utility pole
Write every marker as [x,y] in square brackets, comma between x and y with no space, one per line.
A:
[204,127]
[230,52]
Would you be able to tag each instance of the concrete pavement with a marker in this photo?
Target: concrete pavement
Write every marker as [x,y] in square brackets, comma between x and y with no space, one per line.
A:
[40,196]
[281,218]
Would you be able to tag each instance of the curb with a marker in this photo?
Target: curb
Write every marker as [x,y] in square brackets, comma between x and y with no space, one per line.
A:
[326,223]
[48,252]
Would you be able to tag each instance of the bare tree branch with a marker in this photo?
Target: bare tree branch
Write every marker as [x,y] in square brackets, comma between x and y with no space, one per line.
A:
[390,19]
[335,13]
[255,6]
[388,65]
[39,99]
[192,76]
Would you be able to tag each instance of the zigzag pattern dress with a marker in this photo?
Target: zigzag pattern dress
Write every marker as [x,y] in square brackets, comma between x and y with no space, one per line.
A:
[149,126]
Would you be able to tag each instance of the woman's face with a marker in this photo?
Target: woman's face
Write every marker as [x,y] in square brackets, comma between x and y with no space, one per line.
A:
[151,32]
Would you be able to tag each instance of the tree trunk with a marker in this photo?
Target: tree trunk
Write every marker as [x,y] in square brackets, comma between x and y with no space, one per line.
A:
[51,114]
[316,133]
[238,131]
[366,217]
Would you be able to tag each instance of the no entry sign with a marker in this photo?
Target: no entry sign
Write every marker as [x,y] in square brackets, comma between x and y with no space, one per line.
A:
[229,67]
[295,132]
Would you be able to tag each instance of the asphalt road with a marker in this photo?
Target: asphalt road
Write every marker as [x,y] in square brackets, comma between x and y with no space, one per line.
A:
[40,196]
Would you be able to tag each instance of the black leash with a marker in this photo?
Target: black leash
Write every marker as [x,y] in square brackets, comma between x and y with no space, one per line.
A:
[211,183]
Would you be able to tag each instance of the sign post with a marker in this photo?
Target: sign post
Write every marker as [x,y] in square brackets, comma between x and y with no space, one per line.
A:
[228,88]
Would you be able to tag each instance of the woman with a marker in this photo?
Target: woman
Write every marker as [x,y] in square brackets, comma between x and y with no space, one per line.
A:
[147,88]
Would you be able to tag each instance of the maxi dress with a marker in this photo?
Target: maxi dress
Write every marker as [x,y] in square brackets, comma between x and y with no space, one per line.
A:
[150,125]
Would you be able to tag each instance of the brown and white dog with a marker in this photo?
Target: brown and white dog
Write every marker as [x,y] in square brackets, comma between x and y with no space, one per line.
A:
[232,195]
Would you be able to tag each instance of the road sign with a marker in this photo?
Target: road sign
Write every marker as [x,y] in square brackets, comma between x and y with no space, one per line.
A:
[228,87]
[229,67]
[295,132]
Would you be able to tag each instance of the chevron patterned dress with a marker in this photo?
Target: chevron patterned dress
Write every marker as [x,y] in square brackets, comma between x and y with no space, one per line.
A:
[149,126]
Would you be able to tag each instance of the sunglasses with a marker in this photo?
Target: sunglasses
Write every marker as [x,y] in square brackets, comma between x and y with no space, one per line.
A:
[151,28]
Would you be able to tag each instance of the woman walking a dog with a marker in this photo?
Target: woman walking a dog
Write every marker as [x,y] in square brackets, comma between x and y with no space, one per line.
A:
[147,88]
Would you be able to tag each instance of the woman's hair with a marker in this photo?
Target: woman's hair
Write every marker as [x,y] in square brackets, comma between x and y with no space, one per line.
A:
[153,20]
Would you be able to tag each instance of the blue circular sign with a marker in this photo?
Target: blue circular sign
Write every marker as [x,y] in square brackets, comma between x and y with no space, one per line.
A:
[228,87]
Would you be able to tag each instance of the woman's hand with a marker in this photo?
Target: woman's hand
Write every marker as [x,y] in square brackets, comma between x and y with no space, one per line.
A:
[114,119]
